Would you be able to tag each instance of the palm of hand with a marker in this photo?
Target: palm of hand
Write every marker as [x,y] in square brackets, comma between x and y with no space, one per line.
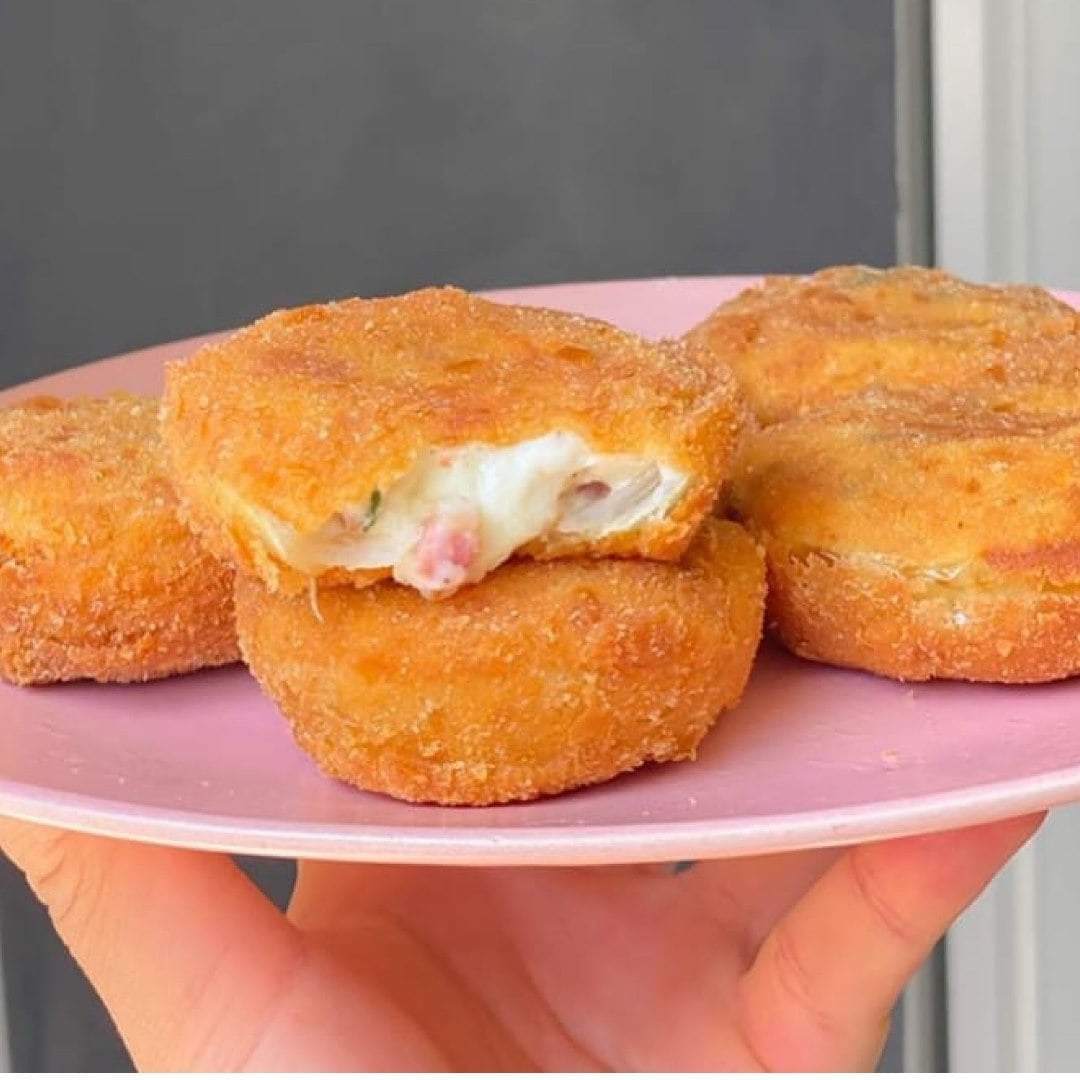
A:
[626,968]
[790,962]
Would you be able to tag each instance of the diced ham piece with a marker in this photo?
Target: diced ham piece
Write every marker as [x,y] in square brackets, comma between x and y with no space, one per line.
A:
[592,490]
[447,546]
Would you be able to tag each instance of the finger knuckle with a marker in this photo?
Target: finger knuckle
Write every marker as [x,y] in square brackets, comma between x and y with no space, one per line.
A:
[794,981]
[875,895]
[60,881]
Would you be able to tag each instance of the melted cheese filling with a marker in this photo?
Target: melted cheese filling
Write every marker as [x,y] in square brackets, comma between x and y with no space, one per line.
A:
[457,514]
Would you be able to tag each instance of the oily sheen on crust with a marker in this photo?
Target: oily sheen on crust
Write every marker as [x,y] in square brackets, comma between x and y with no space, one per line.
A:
[921,536]
[797,344]
[99,579]
[309,417]
[540,679]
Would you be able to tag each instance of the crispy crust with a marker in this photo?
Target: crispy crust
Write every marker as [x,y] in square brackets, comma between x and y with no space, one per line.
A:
[799,343]
[98,577]
[921,536]
[896,623]
[308,411]
[537,680]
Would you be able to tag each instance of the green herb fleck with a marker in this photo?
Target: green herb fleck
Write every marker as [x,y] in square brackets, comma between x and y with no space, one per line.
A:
[372,511]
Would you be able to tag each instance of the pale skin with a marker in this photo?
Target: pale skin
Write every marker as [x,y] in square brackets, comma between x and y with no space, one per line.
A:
[789,962]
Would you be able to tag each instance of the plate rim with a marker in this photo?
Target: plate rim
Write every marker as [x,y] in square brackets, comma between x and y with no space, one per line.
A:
[547,845]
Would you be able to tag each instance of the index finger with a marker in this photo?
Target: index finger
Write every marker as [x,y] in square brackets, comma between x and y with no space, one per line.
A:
[185,952]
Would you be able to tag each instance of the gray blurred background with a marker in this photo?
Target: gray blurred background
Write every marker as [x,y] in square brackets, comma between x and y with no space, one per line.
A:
[173,168]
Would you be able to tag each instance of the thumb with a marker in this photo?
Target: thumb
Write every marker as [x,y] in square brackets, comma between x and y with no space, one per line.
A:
[187,955]
[819,993]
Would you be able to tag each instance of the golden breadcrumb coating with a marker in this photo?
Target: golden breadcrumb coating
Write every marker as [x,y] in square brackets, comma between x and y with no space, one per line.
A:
[799,343]
[921,536]
[310,411]
[99,579]
[539,679]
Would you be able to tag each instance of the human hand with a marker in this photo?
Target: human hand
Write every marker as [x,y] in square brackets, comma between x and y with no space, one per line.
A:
[789,962]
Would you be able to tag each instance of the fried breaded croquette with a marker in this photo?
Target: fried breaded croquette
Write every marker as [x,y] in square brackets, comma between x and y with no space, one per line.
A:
[921,536]
[799,343]
[432,436]
[539,679]
[99,579]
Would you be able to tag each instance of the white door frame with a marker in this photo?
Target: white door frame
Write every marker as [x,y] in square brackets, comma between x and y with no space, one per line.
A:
[1006,151]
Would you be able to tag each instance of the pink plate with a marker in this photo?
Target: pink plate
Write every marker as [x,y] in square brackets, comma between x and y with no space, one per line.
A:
[812,757]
